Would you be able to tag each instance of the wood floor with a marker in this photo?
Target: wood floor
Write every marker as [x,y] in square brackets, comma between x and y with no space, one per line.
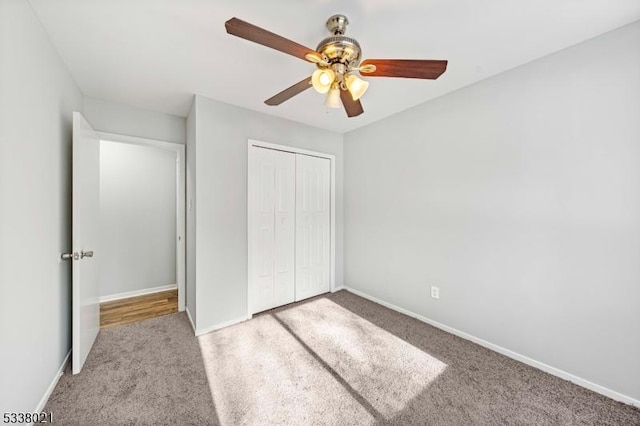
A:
[126,311]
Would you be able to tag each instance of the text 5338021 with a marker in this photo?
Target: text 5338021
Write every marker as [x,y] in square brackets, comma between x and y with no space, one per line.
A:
[27,418]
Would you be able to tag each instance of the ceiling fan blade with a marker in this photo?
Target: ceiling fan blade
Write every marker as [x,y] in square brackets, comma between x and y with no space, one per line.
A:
[406,68]
[247,31]
[353,108]
[289,93]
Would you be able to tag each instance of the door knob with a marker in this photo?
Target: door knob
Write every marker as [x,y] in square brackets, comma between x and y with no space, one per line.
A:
[88,253]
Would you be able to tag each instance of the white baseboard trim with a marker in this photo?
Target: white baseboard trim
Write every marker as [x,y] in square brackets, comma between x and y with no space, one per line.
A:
[338,289]
[135,293]
[53,384]
[191,320]
[200,332]
[514,355]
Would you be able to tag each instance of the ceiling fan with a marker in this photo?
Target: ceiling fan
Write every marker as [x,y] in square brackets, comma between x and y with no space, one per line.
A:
[338,59]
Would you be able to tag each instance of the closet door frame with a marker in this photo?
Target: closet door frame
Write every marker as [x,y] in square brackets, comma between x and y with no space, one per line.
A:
[250,179]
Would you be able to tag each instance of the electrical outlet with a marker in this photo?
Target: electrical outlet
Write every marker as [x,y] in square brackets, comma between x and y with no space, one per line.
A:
[435,292]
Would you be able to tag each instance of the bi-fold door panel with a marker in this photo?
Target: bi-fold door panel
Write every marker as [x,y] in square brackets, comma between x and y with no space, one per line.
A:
[284,219]
[272,239]
[313,225]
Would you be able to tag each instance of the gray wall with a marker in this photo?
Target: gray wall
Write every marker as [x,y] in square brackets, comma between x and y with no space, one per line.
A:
[122,119]
[519,197]
[222,133]
[137,217]
[37,98]
[191,213]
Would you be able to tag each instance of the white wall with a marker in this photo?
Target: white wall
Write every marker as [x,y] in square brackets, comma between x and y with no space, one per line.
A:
[519,197]
[113,117]
[222,133]
[191,213]
[37,98]
[137,217]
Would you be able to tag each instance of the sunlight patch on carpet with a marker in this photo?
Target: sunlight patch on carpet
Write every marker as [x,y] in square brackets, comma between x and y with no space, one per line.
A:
[316,362]
[384,369]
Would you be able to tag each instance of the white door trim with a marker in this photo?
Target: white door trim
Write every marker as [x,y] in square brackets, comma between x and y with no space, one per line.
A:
[180,200]
[260,144]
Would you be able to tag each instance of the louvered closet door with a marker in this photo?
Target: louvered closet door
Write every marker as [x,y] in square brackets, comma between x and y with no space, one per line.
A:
[313,220]
[273,229]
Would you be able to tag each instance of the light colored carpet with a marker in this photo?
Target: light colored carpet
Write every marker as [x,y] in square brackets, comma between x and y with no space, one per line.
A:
[145,373]
[335,359]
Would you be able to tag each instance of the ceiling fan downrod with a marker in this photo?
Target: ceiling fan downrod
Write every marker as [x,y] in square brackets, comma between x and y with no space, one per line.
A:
[337,24]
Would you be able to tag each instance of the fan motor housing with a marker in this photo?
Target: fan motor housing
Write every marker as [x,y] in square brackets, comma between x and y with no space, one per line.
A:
[339,48]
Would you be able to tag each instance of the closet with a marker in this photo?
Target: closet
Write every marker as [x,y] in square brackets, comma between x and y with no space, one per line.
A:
[289,213]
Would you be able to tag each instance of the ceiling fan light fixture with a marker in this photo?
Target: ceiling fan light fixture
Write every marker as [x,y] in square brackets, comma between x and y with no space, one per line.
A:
[333,98]
[357,86]
[337,57]
[322,79]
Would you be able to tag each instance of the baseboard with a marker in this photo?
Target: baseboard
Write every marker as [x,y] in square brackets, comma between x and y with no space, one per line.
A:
[135,293]
[506,352]
[200,332]
[338,289]
[190,320]
[53,384]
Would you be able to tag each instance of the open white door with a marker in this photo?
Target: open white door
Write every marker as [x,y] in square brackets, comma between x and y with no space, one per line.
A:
[85,304]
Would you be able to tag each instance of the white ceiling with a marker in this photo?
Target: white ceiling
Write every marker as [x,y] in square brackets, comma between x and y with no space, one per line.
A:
[155,54]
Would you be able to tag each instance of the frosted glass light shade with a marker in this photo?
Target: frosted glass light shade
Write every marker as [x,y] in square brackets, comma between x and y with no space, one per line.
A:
[357,86]
[333,98]
[322,79]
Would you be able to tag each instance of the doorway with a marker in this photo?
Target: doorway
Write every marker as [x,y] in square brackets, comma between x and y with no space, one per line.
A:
[86,253]
[142,222]
[291,225]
